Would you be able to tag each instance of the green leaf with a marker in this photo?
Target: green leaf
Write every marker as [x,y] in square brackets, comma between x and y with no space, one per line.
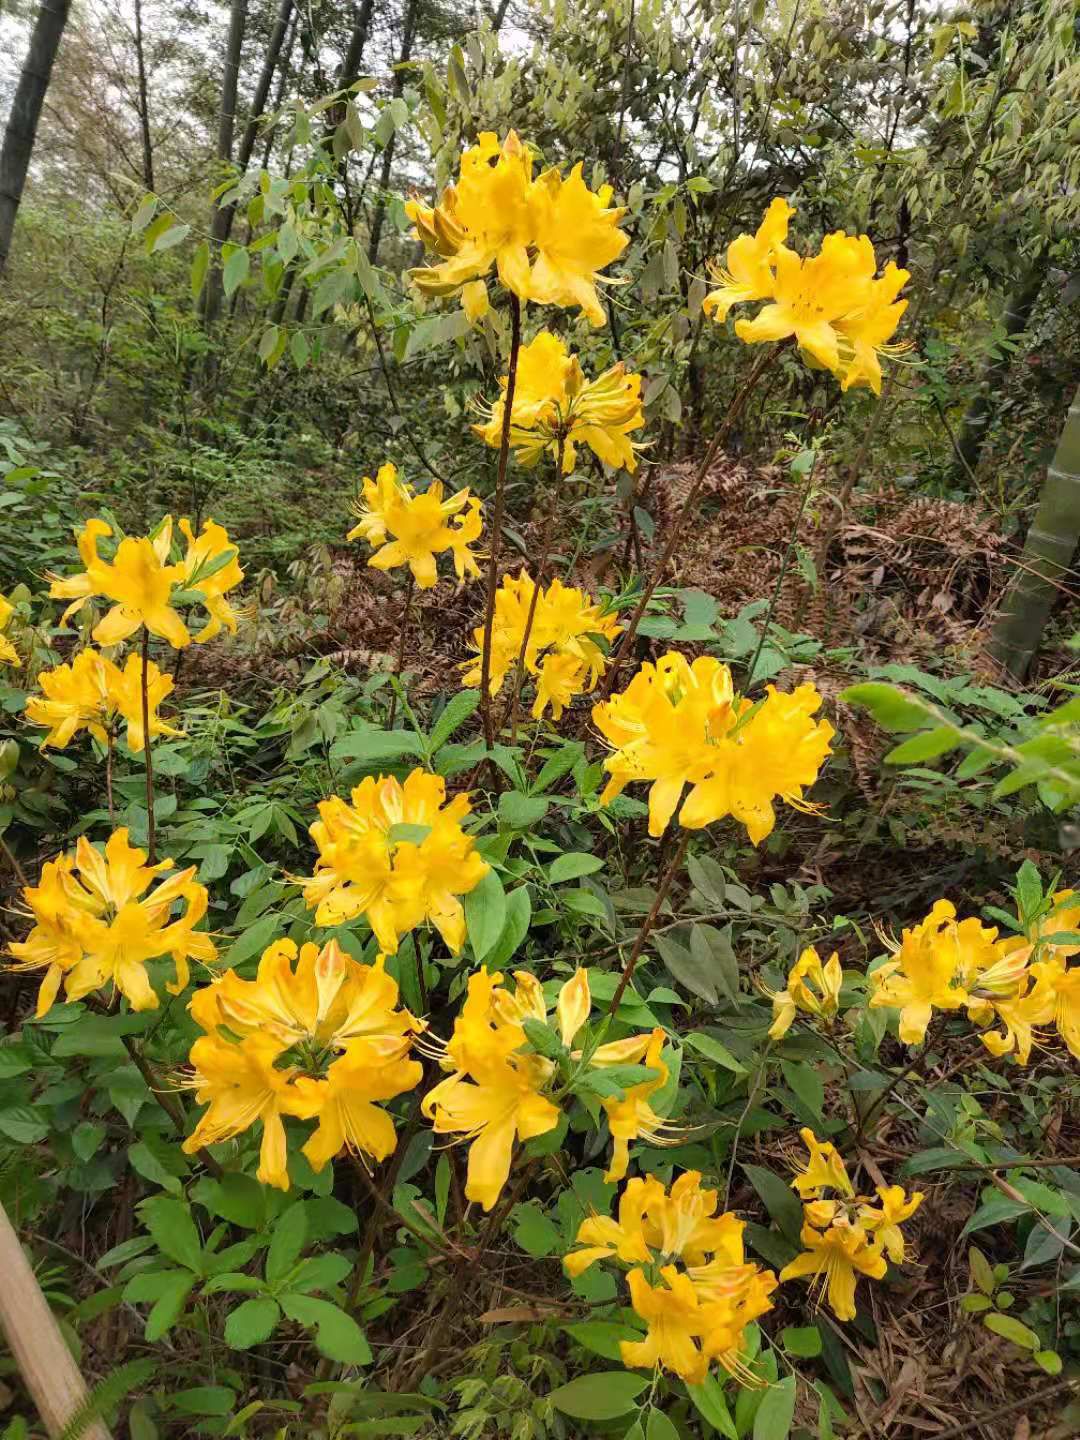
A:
[485,914]
[779,1200]
[802,1341]
[542,1038]
[15,1059]
[240,1199]
[205,1400]
[251,1323]
[159,1161]
[521,812]
[995,1211]
[659,1427]
[515,928]
[533,1231]
[927,746]
[23,1125]
[893,709]
[1048,1360]
[601,1396]
[457,711]
[144,214]
[253,940]
[374,747]
[709,1401]
[236,269]
[806,1083]
[169,237]
[337,1335]
[169,1222]
[319,1272]
[602,1337]
[200,263]
[286,1242]
[86,1138]
[573,866]
[168,1308]
[981,1270]
[711,1048]
[693,971]
[1011,1329]
[776,1411]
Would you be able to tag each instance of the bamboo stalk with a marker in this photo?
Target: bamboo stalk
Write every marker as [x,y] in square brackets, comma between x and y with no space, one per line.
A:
[34,1339]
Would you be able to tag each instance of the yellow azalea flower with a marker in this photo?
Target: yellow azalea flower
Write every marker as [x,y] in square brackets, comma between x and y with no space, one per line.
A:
[748,1296]
[498,1103]
[677,724]
[204,551]
[547,237]
[812,987]
[96,901]
[8,654]
[553,400]
[54,944]
[348,1117]
[573,1005]
[624,1239]
[94,694]
[138,580]
[867,331]
[632,1116]
[319,998]
[749,273]
[833,1261]
[241,1085]
[405,528]
[675,1322]
[1055,997]
[683,1223]
[562,650]
[936,963]
[883,1223]
[824,1170]
[364,869]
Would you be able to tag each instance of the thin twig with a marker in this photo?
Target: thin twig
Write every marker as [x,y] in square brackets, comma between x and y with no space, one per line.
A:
[650,919]
[400,661]
[151,838]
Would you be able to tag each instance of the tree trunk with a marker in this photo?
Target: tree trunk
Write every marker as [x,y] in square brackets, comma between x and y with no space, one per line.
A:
[144,102]
[266,79]
[408,35]
[25,114]
[283,80]
[1017,313]
[350,64]
[221,220]
[1048,554]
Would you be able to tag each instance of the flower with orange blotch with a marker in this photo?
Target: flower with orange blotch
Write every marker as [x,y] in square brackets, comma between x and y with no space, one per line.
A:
[8,654]
[406,528]
[139,580]
[241,1085]
[396,883]
[349,1117]
[547,237]
[555,406]
[95,902]
[833,1260]
[676,1323]
[95,695]
[679,724]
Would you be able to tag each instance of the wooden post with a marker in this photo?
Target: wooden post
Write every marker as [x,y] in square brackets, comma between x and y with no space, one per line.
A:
[34,1339]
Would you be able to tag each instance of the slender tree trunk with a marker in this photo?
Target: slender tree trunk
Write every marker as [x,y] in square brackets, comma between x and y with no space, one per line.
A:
[1016,316]
[408,35]
[350,64]
[283,80]
[144,101]
[26,112]
[1048,553]
[221,219]
[262,89]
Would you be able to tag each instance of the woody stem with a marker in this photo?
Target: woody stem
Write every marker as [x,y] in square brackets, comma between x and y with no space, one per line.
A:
[497,520]
[665,885]
[151,839]
[734,410]
[400,660]
[541,577]
[108,778]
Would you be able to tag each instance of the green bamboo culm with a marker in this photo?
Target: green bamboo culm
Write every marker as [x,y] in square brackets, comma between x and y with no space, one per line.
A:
[1048,553]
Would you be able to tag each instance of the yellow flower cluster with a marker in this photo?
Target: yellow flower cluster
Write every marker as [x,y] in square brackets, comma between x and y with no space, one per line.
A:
[91,928]
[696,1312]
[846,1235]
[405,528]
[314,1035]
[142,581]
[679,724]
[94,694]
[546,236]
[493,1095]
[565,628]
[8,654]
[553,403]
[840,315]
[812,987]
[396,855]
[1023,982]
